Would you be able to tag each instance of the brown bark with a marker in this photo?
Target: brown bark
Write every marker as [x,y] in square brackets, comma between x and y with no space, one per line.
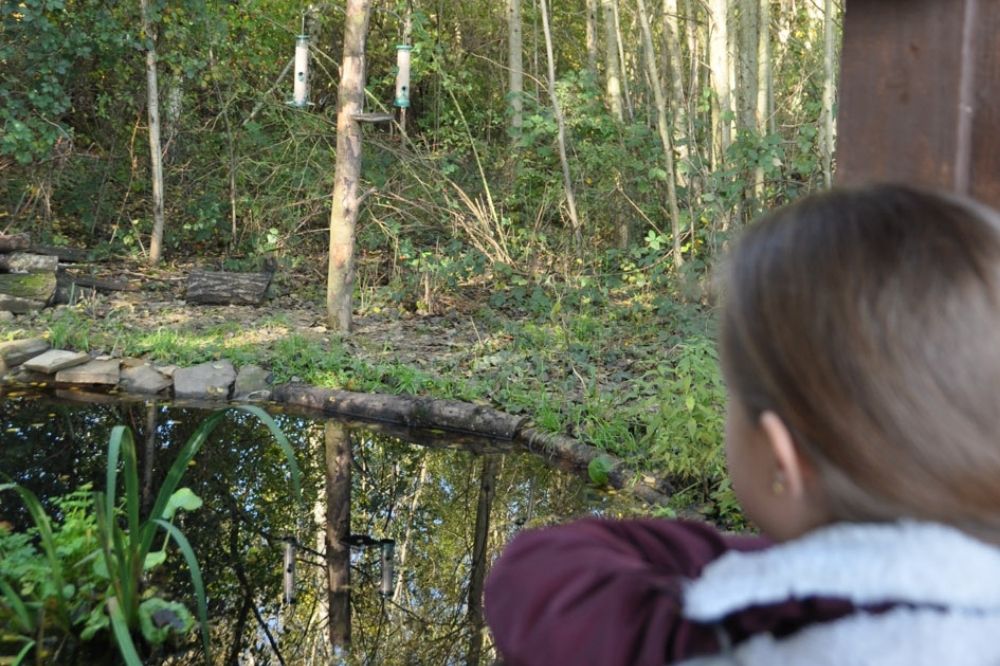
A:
[338,529]
[227,288]
[480,546]
[347,176]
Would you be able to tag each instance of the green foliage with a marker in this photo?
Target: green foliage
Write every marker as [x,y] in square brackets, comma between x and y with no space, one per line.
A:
[91,575]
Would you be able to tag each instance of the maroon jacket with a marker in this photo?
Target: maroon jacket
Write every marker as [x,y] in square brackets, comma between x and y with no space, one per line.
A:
[610,593]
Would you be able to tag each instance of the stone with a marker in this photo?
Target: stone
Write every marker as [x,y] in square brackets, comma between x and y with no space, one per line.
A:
[94,372]
[212,381]
[18,351]
[55,360]
[253,383]
[167,370]
[143,380]
[6,315]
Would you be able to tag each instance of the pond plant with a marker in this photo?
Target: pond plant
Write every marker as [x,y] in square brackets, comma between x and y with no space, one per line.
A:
[68,581]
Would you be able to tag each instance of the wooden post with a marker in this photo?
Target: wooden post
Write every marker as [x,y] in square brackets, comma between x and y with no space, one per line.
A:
[920,95]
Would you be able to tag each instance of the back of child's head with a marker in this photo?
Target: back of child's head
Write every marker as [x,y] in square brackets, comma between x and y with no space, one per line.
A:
[869,321]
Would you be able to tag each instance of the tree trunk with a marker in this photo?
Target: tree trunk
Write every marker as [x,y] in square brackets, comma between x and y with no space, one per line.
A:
[829,82]
[622,64]
[612,72]
[480,545]
[748,53]
[763,88]
[674,75]
[346,180]
[405,550]
[663,126]
[338,529]
[563,158]
[515,66]
[155,150]
[718,49]
[592,36]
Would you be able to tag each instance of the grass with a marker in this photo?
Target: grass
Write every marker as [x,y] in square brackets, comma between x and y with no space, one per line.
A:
[617,369]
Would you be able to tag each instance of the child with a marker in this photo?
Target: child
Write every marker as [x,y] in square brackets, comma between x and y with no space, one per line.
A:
[860,339]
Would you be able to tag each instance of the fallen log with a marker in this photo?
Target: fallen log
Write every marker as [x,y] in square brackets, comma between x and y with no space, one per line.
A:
[71,288]
[70,255]
[468,419]
[25,262]
[15,242]
[409,411]
[221,288]
[30,286]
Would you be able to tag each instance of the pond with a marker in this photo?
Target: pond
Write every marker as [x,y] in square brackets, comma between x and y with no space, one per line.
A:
[447,506]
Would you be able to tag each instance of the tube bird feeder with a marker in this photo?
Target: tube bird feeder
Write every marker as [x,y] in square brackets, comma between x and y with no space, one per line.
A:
[403,75]
[388,552]
[300,95]
[289,572]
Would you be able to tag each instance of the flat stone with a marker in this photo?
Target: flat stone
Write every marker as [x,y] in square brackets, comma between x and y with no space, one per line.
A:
[55,360]
[94,372]
[143,380]
[18,351]
[6,315]
[253,383]
[167,370]
[211,381]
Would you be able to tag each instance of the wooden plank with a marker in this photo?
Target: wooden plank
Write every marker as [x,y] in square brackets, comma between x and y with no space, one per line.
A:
[920,95]
[986,122]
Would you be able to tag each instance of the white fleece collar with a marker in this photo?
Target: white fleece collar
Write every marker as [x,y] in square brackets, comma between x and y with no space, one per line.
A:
[905,562]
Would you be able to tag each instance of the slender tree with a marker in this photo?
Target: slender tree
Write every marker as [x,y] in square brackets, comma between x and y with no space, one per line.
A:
[592,36]
[155,148]
[480,543]
[718,50]
[612,72]
[515,66]
[338,529]
[561,122]
[764,95]
[347,176]
[829,82]
[663,126]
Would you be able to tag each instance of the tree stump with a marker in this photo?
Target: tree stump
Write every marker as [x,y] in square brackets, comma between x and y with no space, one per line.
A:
[220,288]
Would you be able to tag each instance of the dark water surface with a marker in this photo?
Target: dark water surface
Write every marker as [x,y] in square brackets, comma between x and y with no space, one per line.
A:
[425,497]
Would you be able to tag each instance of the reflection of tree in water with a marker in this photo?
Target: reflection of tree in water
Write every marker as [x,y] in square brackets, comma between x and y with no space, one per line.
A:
[425,498]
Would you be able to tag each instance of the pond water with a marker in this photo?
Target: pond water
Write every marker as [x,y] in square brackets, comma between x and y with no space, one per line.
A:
[429,498]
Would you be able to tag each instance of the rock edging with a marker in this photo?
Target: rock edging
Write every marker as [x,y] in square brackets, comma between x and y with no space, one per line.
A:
[33,362]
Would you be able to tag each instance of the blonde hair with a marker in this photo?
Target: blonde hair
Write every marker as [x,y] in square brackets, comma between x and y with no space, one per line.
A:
[869,321]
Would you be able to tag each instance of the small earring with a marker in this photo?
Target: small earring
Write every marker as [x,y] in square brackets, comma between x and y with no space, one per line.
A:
[778,485]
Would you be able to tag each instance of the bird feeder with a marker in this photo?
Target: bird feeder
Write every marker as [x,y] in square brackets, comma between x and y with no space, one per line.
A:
[300,95]
[388,551]
[403,75]
[289,572]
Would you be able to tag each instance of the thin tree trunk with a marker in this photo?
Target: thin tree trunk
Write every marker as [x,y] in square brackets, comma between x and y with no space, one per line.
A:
[622,63]
[515,66]
[748,53]
[612,72]
[487,487]
[563,158]
[347,177]
[675,77]
[763,87]
[829,83]
[592,36]
[404,550]
[155,149]
[338,528]
[718,50]
[663,125]
[149,459]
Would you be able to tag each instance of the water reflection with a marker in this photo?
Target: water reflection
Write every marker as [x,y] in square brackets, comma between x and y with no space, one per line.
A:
[448,511]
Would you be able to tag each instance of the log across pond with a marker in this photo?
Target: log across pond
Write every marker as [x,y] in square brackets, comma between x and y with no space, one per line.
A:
[468,419]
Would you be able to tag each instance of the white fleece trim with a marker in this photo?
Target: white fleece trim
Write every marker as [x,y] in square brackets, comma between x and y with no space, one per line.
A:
[901,637]
[907,562]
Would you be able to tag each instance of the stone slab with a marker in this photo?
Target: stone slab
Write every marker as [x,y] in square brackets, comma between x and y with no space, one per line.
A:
[17,352]
[212,381]
[94,372]
[143,380]
[55,360]
[253,383]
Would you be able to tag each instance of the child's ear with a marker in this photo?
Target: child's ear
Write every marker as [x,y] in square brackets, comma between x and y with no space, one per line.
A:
[790,468]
